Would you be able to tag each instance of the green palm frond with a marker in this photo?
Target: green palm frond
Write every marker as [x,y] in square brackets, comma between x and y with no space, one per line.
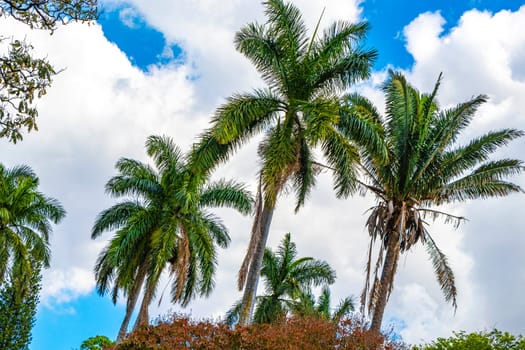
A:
[114,217]
[304,178]
[165,153]
[227,194]
[244,115]
[484,182]
[216,229]
[443,272]
[342,157]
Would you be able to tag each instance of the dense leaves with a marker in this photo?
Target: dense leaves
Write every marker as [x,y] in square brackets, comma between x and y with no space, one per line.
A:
[293,334]
[98,342]
[18,303]
[493,340]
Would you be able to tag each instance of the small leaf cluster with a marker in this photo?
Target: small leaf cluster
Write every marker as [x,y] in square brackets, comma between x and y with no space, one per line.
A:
[97,342]
[38,14]
[22,78]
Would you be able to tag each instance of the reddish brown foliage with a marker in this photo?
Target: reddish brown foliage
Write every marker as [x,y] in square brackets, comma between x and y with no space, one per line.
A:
[292,334]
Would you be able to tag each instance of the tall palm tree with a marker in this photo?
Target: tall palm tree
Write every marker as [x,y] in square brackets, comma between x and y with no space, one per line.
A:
[299,110]
[306,305]
[426,168]
[286,278]
[26,216]
[162,222]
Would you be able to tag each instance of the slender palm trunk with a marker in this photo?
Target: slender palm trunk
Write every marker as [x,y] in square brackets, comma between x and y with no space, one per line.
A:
[252,280]
[387,279]
[143,316]
[132,301]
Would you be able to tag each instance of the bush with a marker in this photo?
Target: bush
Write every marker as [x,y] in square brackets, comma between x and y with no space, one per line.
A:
[98,342]
[493,340]
[180,332]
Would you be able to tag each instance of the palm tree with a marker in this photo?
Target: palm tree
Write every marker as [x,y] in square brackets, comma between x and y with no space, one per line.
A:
[286,278]
[299,110]
[426,168]
[26,216]
[306,305]
[162,222]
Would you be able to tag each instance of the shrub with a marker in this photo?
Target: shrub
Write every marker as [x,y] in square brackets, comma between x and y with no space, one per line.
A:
[493,340]
[98,342]
[179,332]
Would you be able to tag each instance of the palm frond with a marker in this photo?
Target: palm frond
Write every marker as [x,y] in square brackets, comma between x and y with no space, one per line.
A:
[227,194]
[444,273]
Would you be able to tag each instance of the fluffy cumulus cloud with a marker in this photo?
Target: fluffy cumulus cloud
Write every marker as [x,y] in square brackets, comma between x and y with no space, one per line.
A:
[101,108]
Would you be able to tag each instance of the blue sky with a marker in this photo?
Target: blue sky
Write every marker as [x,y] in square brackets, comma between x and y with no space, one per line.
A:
[146,82]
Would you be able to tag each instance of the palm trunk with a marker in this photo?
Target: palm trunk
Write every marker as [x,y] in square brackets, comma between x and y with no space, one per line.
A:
[131,302]
[387,279]
[252,280]
[143,316]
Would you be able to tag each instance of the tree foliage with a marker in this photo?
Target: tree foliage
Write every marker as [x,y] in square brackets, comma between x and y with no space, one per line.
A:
[493,340]
[23,78]
[18,303]
[99,342]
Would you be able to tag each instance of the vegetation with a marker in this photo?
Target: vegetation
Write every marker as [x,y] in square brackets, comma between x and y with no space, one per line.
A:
[23,77]
[306,306]
[98,342]
[425,168]
[493,340]
[25,224]
[292,334]
[286,278]
[300,110]
[162,222]
[18,302]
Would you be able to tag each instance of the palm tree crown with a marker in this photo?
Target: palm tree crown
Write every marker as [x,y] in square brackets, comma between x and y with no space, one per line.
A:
[26,216]
[426,167]
[286,278]
[162,222]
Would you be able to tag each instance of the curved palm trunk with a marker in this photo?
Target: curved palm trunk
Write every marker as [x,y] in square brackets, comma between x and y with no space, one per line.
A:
[252,280]
[131,302]
[387,280]
[143,316]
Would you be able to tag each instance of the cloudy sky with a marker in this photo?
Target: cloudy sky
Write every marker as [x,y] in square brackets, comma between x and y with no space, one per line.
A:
[162,67]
